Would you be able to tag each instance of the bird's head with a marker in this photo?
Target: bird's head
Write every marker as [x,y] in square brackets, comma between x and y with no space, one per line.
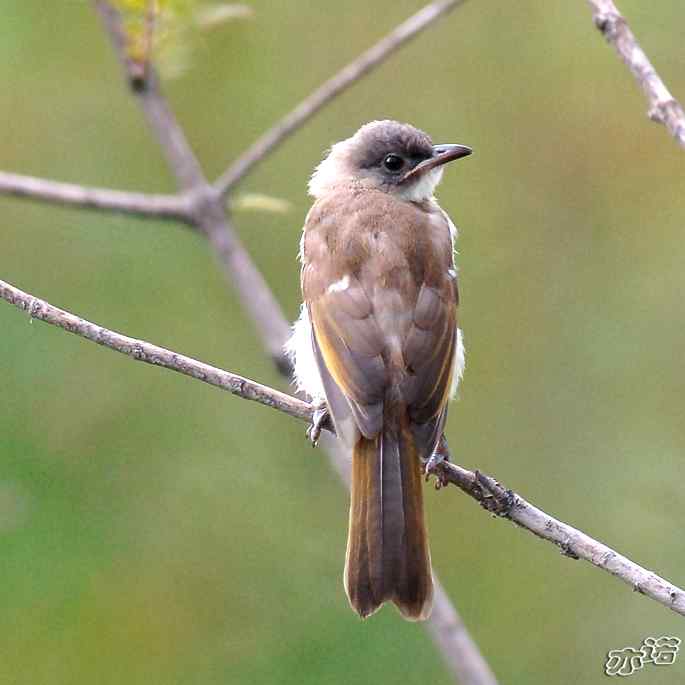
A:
[389,156]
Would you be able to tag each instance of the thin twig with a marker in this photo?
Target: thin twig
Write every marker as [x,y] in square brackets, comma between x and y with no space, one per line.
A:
[663,107]
[346,77]
[484,489]
[572,542]
[145,85]
[153,354]
[175,207]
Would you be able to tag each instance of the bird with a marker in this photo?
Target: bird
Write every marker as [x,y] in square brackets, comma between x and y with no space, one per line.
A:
[377,347]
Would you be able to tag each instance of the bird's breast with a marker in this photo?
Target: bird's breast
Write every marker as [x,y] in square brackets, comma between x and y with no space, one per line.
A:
[384,242]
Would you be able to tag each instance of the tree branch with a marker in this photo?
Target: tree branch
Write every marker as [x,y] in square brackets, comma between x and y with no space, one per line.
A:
[572,542]
[175,207]
[663,107]
[488,492]
[347,76]
[153,354]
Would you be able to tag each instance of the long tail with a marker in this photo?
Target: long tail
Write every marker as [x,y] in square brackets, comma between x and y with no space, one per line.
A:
[387,549]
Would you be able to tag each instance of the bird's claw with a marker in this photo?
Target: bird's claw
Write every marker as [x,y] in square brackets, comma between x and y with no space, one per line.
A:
[430,465]
[320,418]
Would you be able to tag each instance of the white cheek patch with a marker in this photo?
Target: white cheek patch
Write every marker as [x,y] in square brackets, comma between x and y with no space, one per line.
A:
[331,171]
[339,286]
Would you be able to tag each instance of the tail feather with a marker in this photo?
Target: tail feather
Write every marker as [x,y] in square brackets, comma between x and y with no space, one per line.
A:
[387,548]
[416,581]
[358,584]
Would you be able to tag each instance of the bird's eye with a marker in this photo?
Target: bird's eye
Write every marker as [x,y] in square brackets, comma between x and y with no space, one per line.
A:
[393,162]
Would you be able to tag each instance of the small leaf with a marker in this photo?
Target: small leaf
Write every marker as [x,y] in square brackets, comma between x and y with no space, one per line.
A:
[259,202]
[165,32]
[210,16]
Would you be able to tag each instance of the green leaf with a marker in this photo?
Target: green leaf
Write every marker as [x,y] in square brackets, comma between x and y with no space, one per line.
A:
[259,202]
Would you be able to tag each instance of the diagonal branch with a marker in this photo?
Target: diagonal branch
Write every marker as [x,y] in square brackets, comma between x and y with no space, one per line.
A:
[491,495]
[572,542]
[153,354]
[347,76]
[175,207]
[663,107]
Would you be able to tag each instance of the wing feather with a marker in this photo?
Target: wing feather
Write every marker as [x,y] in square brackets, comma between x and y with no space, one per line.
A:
[382,302]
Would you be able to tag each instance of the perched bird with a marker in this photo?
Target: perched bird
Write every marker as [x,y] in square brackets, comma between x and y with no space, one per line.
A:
[377,344]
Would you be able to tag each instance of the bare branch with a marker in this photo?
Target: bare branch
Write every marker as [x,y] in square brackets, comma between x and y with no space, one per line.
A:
[663,107]
[348,75]
[572,542]
[175,207]
[145,85]
[492,496]
[152,354]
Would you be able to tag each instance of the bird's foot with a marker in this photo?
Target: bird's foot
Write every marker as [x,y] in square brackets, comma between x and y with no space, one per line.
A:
[430,465]
[320,420]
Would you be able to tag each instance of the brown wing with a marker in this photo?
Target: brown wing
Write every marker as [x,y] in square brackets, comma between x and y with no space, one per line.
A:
[376,280]
[349,345]
[429,354]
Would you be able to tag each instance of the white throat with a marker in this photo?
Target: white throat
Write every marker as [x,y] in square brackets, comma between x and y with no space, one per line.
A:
[422,189]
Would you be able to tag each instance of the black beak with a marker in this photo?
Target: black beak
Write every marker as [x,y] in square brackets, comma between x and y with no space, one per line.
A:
[441,155]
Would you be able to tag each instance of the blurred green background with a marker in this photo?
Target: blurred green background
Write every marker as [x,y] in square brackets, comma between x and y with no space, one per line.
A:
[154,530]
